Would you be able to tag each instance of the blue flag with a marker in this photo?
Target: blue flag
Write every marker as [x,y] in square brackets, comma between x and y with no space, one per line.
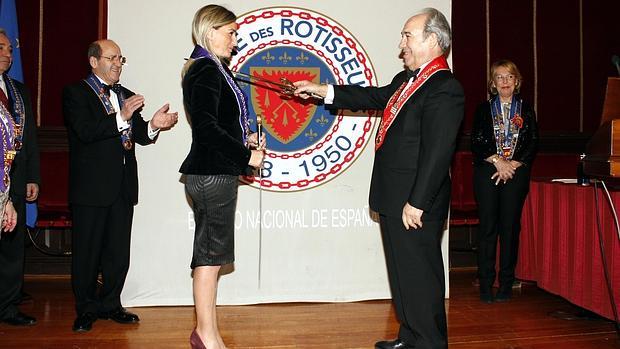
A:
[8,22]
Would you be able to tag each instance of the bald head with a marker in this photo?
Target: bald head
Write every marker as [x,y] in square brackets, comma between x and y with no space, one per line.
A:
[436,23]
[105,60]
[95,47]
[424,37]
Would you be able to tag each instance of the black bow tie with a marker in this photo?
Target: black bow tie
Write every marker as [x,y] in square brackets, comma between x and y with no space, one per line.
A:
[412,74]
[116,88]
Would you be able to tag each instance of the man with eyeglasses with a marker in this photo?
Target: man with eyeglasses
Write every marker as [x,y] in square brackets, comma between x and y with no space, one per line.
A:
[103,122]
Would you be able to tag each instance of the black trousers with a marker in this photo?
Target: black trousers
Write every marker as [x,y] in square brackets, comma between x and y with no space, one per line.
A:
[12,263]
[101,239]
[416,276]
[499,210]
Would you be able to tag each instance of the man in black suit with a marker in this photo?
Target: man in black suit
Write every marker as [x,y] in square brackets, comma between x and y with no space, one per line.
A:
[103,122]
[25,179]
[410,188]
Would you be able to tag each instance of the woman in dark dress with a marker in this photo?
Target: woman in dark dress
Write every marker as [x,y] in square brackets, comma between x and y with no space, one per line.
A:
[504,141]
[222,149]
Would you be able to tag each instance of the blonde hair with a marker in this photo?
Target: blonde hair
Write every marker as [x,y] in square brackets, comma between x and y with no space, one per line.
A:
[512,68]
[207,18]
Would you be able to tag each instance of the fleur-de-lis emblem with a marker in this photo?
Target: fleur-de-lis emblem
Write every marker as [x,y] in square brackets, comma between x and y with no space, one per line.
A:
[285,58]
[302,58]
[268,58]
[311,134]
[322,120]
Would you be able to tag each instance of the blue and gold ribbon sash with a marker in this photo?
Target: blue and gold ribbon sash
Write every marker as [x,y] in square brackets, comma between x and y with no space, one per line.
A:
[506,136]
[400,97]
[18,113]
[101,92]
[7,146]
[104,97]
[244,121]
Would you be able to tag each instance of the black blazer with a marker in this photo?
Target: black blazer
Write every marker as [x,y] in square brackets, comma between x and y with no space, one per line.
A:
[217,139]
[99,165]
[413,163]
[483,142]
[25,168]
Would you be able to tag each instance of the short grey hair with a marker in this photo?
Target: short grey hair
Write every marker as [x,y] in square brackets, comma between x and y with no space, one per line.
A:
[437,23]
[3,32]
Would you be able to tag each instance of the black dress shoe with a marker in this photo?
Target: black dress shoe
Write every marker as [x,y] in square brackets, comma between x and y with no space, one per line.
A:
[486,298]
[505,292]
[121,316]
[84,322]
[394,344]
[503,296]
[20,319]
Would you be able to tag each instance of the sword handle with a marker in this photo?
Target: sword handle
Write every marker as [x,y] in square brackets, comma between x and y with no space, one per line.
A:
[259,131]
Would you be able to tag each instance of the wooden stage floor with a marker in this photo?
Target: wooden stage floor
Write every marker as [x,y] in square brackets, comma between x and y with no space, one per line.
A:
[522,323]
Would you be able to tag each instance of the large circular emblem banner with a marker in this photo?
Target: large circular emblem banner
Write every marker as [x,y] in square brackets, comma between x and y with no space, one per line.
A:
[307,144]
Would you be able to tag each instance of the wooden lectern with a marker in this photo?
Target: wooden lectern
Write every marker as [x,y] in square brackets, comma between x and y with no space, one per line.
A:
[603,150]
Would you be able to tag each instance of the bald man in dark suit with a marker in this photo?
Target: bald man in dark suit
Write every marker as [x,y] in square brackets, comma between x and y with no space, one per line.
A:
[104,123]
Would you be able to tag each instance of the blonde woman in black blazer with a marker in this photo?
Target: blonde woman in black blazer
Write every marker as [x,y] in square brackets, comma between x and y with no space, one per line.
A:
[222,149]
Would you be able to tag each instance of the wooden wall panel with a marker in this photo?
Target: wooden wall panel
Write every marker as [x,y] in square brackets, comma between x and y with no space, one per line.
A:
[558,66]
[469,53]
[511,37]
[563,49]
[601,40]
[68,27]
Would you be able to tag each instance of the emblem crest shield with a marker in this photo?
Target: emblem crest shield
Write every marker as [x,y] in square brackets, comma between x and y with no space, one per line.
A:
[284,117]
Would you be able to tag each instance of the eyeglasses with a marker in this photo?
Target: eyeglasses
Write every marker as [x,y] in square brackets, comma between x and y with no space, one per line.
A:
[120,59]
[508,77]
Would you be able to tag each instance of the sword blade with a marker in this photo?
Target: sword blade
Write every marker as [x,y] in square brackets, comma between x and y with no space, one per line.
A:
[285,87]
